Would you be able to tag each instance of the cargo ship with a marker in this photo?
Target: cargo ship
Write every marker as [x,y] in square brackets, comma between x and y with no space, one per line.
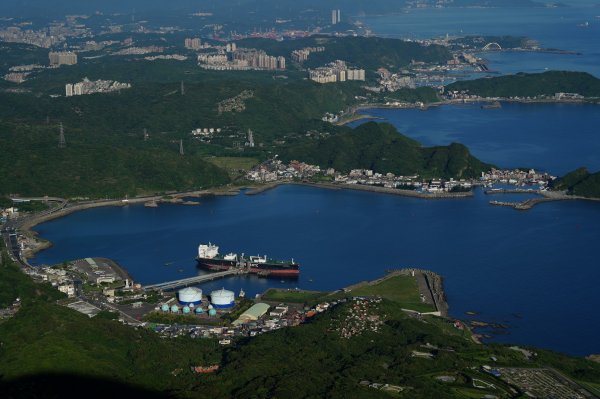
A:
[267,267]
[209,258]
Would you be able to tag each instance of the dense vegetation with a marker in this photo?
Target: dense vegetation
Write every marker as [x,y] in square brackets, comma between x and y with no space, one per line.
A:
[420,94]
[580,182]
[365,52]
[530,85]
[93,166]
[506,42]
[379,146]
[15,284]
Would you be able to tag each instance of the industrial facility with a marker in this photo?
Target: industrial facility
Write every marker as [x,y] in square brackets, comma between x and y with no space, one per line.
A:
[190,296]
[222,299]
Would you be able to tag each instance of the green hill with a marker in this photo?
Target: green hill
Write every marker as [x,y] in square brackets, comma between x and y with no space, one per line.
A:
[530,85]
[379,146]
[580,182]
[365,52]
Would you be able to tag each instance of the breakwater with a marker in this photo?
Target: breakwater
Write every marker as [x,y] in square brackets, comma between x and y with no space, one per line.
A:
[388,190]
[547,196]
[511,191]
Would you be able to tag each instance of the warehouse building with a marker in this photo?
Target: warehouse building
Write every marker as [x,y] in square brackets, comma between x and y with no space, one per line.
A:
[254,313]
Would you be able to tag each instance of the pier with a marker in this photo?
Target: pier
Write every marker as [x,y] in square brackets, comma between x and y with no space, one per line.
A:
[512,191]
[184,282]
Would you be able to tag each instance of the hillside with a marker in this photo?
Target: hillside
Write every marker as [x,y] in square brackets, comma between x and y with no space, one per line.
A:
[96,166]
[580,182]
[379,146]
[106,154]
[530,85]
[365,52]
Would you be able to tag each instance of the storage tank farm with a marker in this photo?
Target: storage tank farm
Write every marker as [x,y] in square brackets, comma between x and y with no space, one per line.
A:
[190,296]
[222,299]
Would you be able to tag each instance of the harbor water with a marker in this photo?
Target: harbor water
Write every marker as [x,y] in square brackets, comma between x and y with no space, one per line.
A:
[535,271]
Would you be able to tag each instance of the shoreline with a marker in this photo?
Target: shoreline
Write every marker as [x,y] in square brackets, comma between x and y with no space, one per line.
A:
[355,116]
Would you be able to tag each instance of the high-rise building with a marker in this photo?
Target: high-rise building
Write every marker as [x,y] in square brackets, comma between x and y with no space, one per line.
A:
[230,47]
[339,16]
[334,19]
[68,90]
[193,43]
[78,89]
[281,62]
[62,58]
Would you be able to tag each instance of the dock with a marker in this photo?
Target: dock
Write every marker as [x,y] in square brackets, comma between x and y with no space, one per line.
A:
[184,282]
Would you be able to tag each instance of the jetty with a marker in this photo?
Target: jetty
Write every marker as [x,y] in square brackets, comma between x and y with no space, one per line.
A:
[512,191]
[184,282]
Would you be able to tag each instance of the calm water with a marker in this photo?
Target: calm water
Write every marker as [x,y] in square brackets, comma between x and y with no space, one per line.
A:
[541,265]
[552,137]
[552,27]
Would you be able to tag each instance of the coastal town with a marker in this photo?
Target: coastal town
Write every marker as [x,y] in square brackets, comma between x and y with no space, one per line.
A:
[274,171]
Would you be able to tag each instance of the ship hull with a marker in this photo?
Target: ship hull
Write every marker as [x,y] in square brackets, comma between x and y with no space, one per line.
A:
[215,264]
[275,273]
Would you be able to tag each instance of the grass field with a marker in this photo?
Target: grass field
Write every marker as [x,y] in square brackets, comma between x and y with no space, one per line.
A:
[400,289]
[292,296]
[233,165]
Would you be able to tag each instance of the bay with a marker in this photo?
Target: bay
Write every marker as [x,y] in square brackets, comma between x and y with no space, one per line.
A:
[541,264]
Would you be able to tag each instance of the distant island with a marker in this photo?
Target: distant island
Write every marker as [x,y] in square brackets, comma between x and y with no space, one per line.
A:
[531,85]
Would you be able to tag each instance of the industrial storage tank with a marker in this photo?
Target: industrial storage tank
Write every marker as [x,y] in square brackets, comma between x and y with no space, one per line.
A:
[190,296]
[186,309]
[165,307]
[175,309]
[222,298]
[212,312]
[199,310]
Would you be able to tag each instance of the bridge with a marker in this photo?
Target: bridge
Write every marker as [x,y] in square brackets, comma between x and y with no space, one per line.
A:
[184,282]
[492,46]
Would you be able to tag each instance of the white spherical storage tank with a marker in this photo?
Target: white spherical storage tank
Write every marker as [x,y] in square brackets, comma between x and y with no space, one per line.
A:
[190,296]
[222,298]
